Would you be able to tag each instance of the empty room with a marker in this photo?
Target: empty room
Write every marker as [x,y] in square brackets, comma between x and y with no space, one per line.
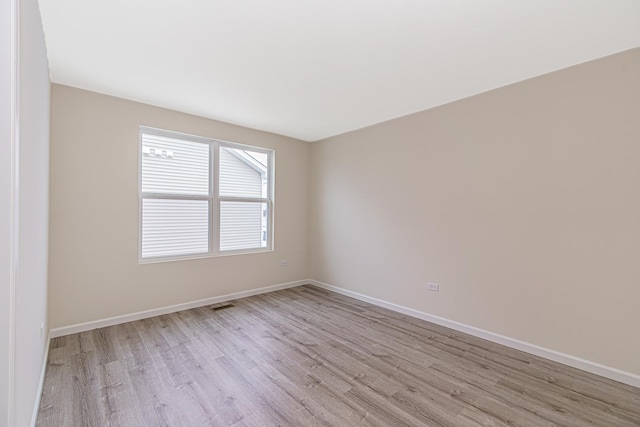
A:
[337,213]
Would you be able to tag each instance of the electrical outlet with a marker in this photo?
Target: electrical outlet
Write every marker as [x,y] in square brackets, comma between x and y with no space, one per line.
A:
[41,330]
[284,263]
[433,287]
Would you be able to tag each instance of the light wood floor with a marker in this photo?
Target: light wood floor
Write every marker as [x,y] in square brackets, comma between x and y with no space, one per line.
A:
[309,357]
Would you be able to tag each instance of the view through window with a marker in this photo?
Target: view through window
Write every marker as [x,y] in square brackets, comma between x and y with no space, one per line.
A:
[200,196]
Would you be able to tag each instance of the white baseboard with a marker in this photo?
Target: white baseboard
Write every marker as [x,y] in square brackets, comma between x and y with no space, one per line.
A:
[116,320]
[45,359]
[556,356]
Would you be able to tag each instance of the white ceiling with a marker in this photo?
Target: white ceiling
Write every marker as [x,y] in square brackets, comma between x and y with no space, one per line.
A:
[313,69]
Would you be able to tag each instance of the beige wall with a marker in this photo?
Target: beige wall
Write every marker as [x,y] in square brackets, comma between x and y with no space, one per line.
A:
[523,203]
[94,213]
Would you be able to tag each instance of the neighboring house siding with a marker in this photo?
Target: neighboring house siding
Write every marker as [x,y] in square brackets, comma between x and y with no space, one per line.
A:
[237,178]
[241,223]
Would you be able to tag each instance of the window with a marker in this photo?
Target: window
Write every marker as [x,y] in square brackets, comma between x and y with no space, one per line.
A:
[203,197]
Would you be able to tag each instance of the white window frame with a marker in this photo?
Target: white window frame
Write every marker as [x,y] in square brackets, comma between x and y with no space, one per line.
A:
[213,198]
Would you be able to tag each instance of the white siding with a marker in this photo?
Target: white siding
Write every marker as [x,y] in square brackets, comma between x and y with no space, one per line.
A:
[240,225]
[172,166]
[237,178]
[174,227]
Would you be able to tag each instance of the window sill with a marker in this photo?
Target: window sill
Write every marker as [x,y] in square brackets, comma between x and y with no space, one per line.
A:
[202,256]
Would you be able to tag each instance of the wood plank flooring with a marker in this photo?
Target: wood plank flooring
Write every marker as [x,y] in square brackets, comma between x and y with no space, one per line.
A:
[309,357]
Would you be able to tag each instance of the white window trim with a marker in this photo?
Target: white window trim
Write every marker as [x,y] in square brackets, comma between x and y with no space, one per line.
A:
[214,197]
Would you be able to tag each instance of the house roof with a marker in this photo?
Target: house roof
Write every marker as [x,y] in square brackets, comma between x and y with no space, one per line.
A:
[246,158]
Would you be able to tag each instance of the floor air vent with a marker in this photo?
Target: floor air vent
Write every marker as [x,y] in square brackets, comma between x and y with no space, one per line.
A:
[221,306]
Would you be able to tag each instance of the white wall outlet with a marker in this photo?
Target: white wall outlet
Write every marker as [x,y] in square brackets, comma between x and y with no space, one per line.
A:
[433,287]
[41,330]
[284,263]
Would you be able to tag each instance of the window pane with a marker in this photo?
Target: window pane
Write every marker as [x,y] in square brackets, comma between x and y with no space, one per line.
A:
[174,227]
[243,225]
[174,166]
[243,173]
